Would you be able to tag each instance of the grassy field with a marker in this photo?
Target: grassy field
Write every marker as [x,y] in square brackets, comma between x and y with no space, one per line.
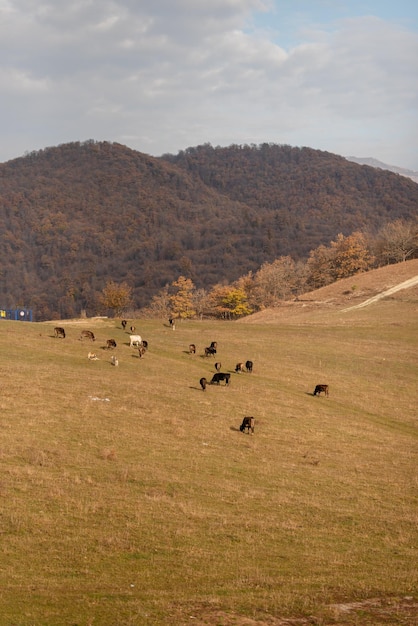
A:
[129,496]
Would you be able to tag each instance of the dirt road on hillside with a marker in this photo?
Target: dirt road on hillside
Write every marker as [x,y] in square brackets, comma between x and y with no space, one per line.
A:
[388,292]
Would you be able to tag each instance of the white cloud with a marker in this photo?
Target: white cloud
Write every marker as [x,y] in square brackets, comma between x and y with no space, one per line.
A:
[166,74]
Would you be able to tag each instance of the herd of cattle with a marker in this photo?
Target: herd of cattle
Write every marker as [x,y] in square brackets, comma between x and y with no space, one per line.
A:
[141,345]
[136,341]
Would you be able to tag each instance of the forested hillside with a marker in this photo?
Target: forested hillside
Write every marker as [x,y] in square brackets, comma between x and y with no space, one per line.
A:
[304,196]
[78,215]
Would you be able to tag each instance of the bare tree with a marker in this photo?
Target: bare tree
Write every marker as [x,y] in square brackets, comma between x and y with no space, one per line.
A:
[397,241]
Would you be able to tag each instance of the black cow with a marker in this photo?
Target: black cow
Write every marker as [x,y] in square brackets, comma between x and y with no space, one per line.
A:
[214,344]
[210,351]
[247,423]
[110,344]
[203,383]
[321,389]
[124,322]
[249,366]
[216,378]
[59,332]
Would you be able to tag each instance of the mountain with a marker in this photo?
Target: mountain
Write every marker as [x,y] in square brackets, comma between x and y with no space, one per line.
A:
[77,215]
[413,175]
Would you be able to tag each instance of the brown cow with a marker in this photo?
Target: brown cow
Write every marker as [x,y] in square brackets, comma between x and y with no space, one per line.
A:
[247,423]
[239,368]
[110,344]
[203,383]
[59,332]
[87,334]
[192,348]
[321,389]
[218,366]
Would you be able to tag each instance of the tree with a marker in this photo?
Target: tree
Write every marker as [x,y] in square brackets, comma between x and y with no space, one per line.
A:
[235,301]
[181,299]
[228,302]
[277,281]
[397,241]
[350,255]
[319,267]
[116,297]
[160,304]
[200,301]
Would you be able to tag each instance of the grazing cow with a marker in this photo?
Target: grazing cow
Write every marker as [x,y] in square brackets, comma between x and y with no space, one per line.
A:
[192,348]
[247,423]
[249,366]
[132,329]
[203,383]
[214,344]
[59,332]
[114,361]
[321,389]
[124,322]
[141,351]
[110,344]
[135,340]
[172,323]
[145,344]
[210,351]
[239,368]
[218,366]
[92,357]
[87,334]
[216,378]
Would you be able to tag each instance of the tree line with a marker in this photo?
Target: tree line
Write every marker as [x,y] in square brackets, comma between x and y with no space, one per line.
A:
[276,282]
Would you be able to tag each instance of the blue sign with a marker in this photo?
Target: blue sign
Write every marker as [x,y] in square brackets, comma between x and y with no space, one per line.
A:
[18,315]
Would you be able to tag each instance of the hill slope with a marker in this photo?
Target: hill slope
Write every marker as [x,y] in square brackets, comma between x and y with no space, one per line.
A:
[75,216]
[348,295]
[131,497]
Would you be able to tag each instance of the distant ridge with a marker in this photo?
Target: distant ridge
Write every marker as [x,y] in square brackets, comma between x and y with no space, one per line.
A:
[413,175]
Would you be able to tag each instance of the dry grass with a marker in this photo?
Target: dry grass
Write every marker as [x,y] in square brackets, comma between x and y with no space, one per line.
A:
[129,496]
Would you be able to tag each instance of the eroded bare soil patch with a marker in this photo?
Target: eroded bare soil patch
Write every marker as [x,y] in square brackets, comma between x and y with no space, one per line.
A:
[372,612]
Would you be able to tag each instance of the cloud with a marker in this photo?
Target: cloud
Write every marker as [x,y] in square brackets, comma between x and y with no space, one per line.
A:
[167,74]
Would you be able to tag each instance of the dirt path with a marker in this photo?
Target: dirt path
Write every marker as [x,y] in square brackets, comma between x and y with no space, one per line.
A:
[405,285]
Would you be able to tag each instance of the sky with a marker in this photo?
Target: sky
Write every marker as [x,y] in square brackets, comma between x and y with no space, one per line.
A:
[160,76]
